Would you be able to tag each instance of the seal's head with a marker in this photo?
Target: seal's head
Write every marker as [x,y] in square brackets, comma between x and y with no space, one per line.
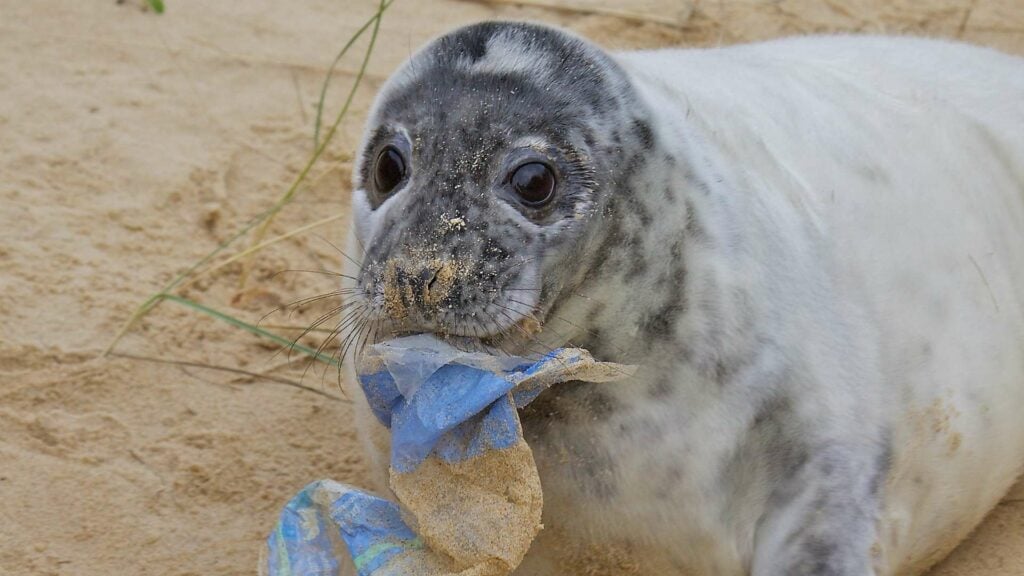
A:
[486,157]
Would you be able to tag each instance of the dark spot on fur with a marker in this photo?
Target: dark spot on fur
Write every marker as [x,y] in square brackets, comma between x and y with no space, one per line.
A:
[676,250]
[594,469]
[661,389]
[643,132]
[694,229]
[670,195]
[642,431]
[723,372]
[598,405]
[840,485]
[818,557]
[475,45]
[774,441]
[659,323]
[599,346]
[637,266]
[827,467]
[883,463]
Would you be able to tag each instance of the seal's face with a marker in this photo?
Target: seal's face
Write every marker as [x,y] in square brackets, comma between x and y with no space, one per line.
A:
[478,175]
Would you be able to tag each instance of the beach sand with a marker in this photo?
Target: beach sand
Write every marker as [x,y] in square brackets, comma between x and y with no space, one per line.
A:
[132,143]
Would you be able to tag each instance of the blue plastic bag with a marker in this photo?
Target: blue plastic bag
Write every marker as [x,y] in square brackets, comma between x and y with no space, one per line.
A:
[439,401]
[327,522]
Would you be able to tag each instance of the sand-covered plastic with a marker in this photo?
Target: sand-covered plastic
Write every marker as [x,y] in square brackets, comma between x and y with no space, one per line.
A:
[469,495]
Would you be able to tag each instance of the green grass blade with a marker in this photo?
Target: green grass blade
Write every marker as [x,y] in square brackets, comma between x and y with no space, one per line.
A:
[263,219]
[334,64]
[231,370]
[251,328]
[155,299]
[334,125]
[156,5]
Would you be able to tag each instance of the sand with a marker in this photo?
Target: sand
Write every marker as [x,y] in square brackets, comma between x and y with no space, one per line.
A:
[498,501]
[130,144]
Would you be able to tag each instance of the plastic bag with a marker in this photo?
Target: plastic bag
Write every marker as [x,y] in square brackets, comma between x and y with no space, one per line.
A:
[467,482]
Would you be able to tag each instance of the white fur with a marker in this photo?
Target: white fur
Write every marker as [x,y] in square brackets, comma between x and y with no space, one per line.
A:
[877,187]
[931,252]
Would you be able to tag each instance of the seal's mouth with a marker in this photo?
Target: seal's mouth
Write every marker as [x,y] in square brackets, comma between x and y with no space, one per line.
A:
[450,298]
[506,327]
[514,334]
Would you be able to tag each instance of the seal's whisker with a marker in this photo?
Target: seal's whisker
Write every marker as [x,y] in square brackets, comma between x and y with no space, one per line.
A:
[333,335]
[569,341]
[378,320]
[500,336]
[476,337]
[475,343]
[528,338]
[571,292]
[372,339]
[340,251]
[523,262]
[353,335]
[320,350]
[324,272]
[362,248]
[527,342]
[299,304]
[349,322]
[573,324]
[361,345]
[369,336]
[339,307]
[320,320]
[316,324]
[536,339]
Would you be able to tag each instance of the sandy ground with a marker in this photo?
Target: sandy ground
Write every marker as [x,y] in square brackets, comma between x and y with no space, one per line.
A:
[130,145]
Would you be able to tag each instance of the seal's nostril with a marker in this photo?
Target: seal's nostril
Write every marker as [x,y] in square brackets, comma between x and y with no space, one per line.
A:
[429,277]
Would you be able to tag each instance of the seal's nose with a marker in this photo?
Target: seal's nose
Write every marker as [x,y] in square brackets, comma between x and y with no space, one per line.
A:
[414,286]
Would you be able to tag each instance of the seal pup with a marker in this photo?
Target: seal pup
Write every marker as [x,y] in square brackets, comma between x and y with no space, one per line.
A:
[813,247]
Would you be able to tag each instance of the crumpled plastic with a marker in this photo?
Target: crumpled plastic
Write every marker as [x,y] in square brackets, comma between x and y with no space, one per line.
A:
[465,477]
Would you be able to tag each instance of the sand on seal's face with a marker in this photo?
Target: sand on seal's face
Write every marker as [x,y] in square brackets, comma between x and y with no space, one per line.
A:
[130,145]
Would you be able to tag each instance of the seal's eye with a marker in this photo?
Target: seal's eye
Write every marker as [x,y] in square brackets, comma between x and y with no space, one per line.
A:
[389,170]
[534,183]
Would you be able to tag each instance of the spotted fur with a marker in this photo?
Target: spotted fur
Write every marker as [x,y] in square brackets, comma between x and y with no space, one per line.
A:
[774,232]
